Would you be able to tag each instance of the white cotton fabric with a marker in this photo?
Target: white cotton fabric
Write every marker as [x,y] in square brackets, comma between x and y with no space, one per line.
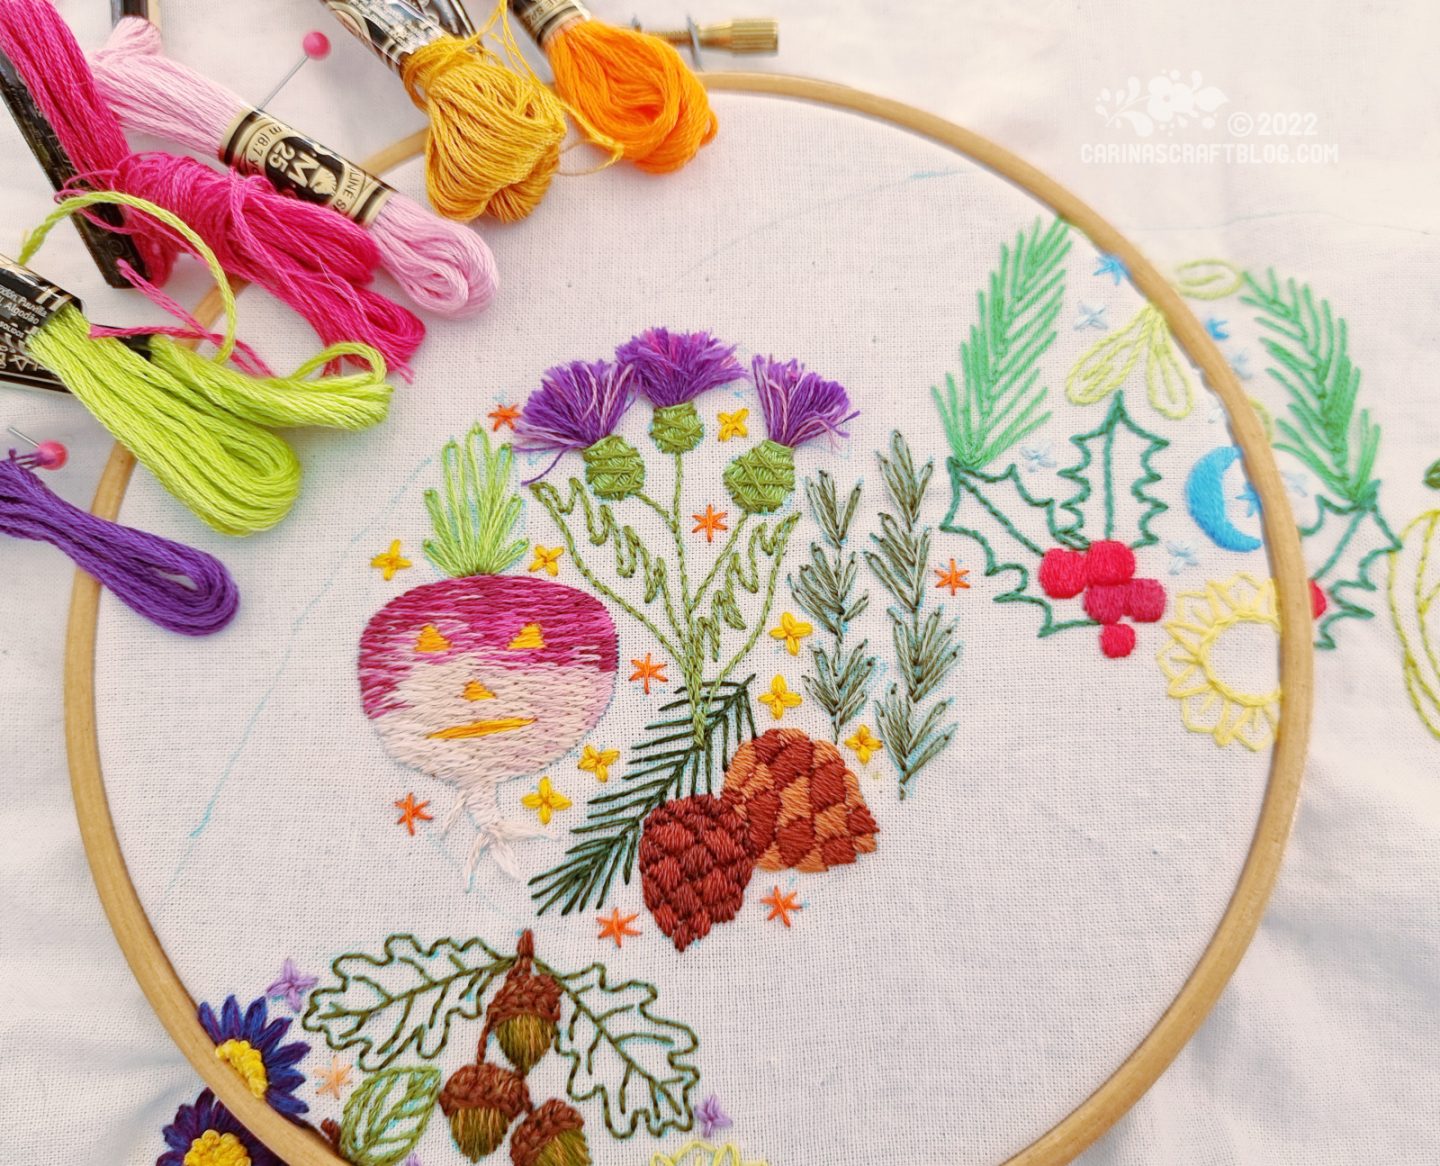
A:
[1033,908]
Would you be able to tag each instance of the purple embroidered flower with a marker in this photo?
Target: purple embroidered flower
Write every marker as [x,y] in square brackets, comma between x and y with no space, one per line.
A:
[711,1117]
[670,368]
[291,986]
[799,405]
[206,1133]
[576,405]
[250,1044]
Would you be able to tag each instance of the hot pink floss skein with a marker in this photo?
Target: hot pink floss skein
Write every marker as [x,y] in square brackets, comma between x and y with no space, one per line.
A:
[307,256]
[443,266]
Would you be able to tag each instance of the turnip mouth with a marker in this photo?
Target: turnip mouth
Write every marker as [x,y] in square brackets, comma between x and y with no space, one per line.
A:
[481,728]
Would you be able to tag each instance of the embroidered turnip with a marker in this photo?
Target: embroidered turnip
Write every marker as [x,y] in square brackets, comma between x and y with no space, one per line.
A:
[483,677]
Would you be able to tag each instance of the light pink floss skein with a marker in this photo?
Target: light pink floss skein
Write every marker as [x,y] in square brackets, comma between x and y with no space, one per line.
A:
[444,267]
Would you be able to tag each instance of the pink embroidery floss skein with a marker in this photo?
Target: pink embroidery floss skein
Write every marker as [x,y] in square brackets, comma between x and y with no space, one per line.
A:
[307,256]
[444,267]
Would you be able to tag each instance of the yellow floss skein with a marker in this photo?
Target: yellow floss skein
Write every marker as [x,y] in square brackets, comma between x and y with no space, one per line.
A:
[194,422]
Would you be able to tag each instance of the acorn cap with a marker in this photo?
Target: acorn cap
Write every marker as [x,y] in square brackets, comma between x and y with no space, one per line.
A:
[525,1012]
[551,1136]
[481,1101]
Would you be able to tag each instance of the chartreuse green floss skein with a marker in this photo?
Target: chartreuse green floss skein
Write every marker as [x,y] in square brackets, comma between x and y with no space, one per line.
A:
[195,422]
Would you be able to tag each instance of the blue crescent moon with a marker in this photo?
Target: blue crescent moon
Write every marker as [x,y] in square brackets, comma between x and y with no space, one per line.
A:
[1205,496]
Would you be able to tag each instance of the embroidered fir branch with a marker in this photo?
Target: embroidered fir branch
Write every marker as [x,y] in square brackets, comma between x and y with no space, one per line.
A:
[1309,348]
[1001,400]
[925,645]
[667,764]
[478,512]
[825,590]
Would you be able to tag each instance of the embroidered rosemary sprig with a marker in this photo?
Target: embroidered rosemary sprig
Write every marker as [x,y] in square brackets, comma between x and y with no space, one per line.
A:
[825,588]
[1001,400]
[926,648]
[475,518]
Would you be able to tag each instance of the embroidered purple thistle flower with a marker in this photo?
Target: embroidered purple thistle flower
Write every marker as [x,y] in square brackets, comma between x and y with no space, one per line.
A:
[711,1117]
[670,368]
[291,986]
[799,405]
[210,1132]
[250,1044]
[576,405]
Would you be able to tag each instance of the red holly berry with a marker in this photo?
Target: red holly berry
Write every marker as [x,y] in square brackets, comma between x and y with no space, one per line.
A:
[1318,602]
[1107,602]
[1145,600]
[1108,561]
[1117,640]
[1062,573]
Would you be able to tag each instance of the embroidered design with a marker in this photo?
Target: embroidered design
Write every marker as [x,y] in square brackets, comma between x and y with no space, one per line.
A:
[712,1117]
[1206,500]
[1113,266]
[1208,279]
[732,425]
[547,559]
[503,415]
[781,904]
[694,866]
[249,1043]
[207,1134]
[701,1153]
[1212,701]
[545,653]
[1413,588]
[598,762]
[1217,328]
[926,647]
[617,927]
[780,697]
[1144,342]
[411,812]
[826,589]
[952,577]
[1091,317]
[333,1080]
[865,744]
[710,523]
[1432,476]
[391,561]
[636,1065]
[291,985]
[387,1115]
[647,670]
[545,801]
[790,631]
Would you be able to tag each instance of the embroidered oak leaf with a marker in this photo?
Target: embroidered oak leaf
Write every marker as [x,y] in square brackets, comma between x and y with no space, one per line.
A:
[1342,546]
[637,1063]
[404,999]
[386,1116]
[1111,481]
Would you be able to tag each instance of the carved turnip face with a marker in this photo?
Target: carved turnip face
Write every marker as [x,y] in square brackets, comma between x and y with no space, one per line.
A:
[479,680]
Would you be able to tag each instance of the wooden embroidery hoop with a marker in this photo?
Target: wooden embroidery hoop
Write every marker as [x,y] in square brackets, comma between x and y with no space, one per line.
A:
[1098,1112]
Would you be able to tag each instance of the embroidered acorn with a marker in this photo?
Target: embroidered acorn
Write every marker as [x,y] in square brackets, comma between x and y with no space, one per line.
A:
[671,369]
[694,866]
[481,1101]
[798,406]
[577,407]
[801,806]
[525,1012]
[551,1136]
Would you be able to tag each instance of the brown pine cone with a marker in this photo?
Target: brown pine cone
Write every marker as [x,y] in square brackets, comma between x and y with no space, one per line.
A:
[694,866]
[481,1101]
[525,1012]
[802,807]
[551,1136]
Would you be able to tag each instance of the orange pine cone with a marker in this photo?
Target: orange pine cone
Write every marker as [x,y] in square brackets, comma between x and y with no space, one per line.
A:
[694,867]
[802,807]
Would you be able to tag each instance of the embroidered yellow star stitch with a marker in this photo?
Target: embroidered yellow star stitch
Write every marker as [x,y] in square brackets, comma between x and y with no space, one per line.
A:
[791,631]
[733,424]
[547,559]
[333,1079]
[546,801]
[598,762]
[865,744]
[780,697]
[391,561]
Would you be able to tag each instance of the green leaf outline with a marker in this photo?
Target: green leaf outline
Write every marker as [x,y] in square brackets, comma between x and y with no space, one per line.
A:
[1117,417]
[361,1140]
[1354,514]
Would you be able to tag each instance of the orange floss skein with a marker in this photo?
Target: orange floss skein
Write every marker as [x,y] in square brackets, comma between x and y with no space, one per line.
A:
[629,86]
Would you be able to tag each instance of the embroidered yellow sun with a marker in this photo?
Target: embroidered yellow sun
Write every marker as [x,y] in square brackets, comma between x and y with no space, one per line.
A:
[1200,661]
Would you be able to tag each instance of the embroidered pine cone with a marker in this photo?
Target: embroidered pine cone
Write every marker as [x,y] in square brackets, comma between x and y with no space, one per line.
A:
[677,428]
[614,468]
[761,479]
[694,866]
[551,1136]
[802,807]
[525,1012]
[481,1101]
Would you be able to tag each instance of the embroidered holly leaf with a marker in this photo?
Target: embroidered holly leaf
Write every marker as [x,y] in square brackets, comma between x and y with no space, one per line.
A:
[635,1062]
[1111,480]
[386,1116]
[1341,546]
[403,999]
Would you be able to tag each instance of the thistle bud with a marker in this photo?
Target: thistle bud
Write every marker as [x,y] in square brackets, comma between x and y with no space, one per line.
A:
[614,468]
[677,428]
[481,1101]
[762,479]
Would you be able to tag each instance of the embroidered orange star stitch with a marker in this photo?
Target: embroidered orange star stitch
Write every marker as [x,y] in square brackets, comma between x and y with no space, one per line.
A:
[780,697]
[547,559]
[333,1079]
[503,415]
[391,561]
[617,926]
[411,812]
[954,578]
[865,744]
[546,801]
[598,762]
[647,670]
[781,904]
[791,631]
[710,522]
[733,424]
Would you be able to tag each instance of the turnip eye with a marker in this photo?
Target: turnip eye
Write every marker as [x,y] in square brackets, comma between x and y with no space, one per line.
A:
[430,640]
[528,637]
[474,690]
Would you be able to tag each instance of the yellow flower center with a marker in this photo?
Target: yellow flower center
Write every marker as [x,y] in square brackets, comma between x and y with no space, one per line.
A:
[246,1060]
[216,1149]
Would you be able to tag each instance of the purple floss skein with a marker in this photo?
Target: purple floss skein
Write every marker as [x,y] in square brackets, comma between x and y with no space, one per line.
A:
[180,588]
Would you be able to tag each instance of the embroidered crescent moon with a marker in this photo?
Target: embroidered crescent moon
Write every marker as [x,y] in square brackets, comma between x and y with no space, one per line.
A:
[1205,497]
